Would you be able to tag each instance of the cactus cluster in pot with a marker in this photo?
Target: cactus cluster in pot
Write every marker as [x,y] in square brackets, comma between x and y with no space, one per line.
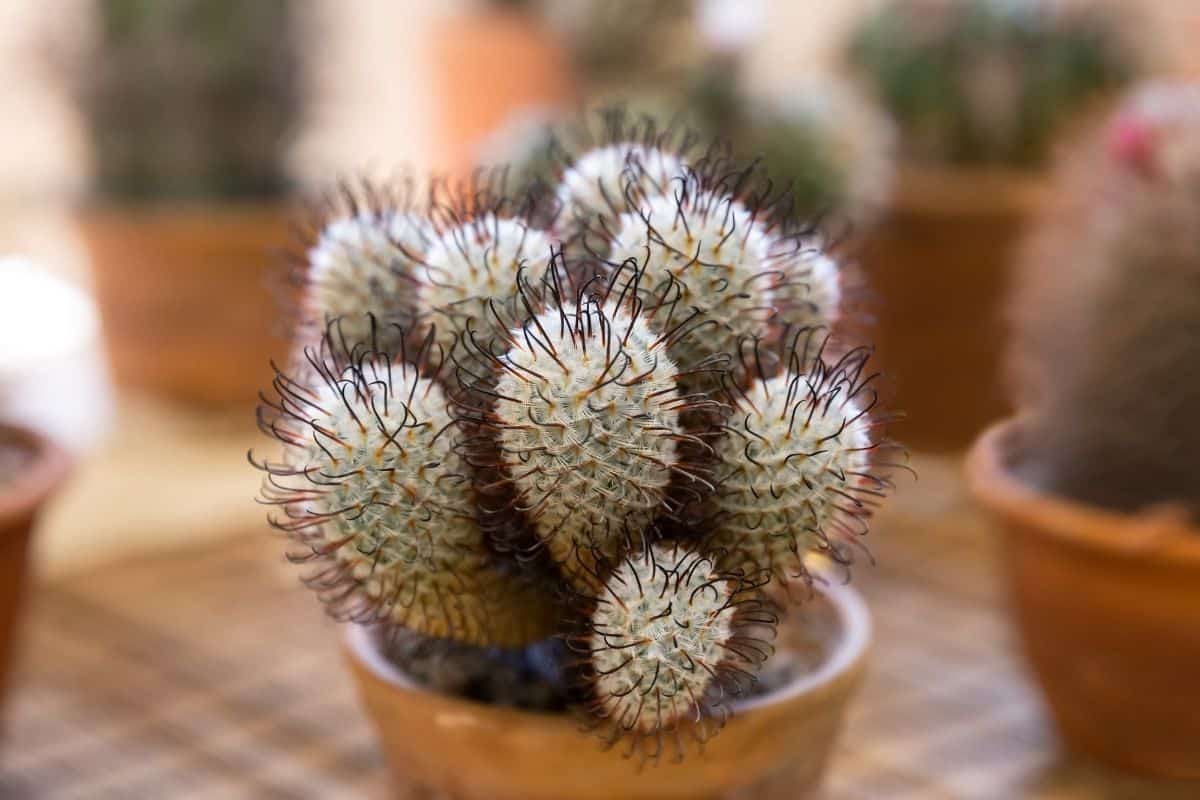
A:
[1107,315]
[599,422]
[988,81]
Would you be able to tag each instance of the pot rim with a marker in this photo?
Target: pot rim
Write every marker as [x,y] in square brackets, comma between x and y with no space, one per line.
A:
[936,189]
[850,649]
[49,465]
[1159,534]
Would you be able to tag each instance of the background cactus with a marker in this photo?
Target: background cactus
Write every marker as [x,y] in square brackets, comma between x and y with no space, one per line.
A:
[528,463]
[193,99]
[987,81]
[1107,315]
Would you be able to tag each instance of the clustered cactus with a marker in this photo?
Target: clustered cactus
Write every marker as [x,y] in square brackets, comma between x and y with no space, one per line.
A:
[988,81]
[1107,314]
[608,411]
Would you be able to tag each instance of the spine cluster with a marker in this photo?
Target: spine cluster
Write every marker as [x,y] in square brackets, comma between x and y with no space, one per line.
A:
[563,383]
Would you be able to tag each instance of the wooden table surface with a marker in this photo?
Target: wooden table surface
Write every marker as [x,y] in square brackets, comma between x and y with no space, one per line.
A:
[208,673]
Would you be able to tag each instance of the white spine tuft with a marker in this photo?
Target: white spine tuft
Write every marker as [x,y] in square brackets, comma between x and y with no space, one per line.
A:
[602,182]
[669,645]
[588,414]
[471,265]
[795,471]
[706,253]
[358,267]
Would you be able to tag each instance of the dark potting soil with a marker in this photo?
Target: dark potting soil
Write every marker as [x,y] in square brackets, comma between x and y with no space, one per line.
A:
[537,677]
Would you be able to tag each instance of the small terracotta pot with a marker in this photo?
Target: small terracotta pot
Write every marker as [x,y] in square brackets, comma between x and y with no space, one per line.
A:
[189,297]
[938,262]
[774,747]
[1108,609]
[43,469]
[487,66]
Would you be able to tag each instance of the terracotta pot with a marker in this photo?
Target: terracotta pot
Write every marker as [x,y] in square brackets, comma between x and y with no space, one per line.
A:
[1108,609]
[774,747]
[487,66]
[937,265]
[189,297]
[44,465]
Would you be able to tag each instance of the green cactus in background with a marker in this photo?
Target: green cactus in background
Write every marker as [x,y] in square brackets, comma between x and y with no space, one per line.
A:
[1107,314]
[987,81]
[192,99]
[534,460]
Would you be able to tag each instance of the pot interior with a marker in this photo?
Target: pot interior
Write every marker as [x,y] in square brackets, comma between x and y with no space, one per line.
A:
[817,641]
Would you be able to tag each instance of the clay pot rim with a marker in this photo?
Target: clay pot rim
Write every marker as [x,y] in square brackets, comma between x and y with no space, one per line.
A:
[48,467]
[286,208]
[850,651]
[961,191]
[1160,535]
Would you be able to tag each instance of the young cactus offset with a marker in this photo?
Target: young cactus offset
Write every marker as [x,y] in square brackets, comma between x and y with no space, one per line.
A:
[671,639]
[550,452]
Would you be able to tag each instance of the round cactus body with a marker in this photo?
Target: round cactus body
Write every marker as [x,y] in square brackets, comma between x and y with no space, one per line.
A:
[795,474]
[588,414]
[615,179]
[474,264]
[701,253]
[387,509]
[808,291]
[668,645]
[356,272]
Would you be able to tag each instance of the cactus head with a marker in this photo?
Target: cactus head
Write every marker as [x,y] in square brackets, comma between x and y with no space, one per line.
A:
[702,253]
[796,464]
[615,179]
[669,645]
[473,264]
[357,272]
[375,494]
[587,413]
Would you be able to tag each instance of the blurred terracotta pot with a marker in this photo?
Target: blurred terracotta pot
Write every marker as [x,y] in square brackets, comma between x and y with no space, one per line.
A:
[775,747]
[489,65]
[41,467]
[189,297]
[938,262]
[1108,609]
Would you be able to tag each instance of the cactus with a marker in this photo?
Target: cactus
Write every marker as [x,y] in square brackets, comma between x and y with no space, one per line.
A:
[708,248]
[987,81]
[358,267]
[1106,342]
[538,458]
[669,640]
[192,99]
[797,462]
[373,488]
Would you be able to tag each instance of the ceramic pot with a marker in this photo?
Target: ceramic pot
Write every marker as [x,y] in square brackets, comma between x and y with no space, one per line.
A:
[489,67]
[26,481]
[776,746]
[189,298]
[1108,610]
[938,261]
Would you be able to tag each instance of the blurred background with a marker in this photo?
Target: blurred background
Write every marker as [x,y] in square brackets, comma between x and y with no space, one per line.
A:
[150,153]
[155,158]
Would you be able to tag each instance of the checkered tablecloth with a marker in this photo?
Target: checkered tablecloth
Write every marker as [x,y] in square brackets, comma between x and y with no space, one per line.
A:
[210,674]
